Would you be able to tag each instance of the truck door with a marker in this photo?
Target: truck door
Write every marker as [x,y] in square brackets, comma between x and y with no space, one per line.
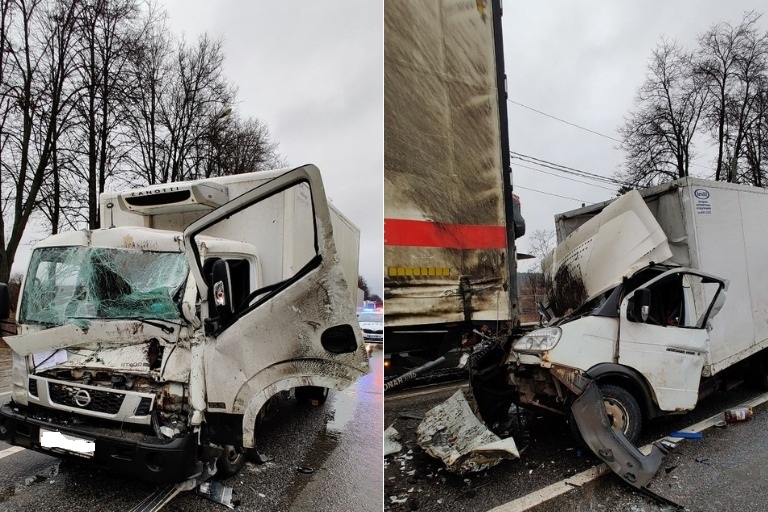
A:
[298,327]
[664,333]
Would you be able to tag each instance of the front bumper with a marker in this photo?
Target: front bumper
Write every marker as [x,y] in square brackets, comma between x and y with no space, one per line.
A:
[142,456]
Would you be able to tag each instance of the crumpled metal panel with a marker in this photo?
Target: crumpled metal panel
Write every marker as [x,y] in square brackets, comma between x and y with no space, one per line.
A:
[452,433]
[610,445]
[614,244]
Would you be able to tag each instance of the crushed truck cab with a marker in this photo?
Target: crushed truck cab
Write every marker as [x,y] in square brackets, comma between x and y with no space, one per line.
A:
[152,346]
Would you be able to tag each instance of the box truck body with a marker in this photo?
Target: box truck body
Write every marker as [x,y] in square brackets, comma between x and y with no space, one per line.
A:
[639,284]
[448,231]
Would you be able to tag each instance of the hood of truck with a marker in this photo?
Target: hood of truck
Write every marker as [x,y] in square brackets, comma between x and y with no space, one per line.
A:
[128,346]
[616,243]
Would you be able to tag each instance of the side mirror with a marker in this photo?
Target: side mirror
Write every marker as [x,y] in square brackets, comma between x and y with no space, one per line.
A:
[639,305]
[222,288]
[5,302]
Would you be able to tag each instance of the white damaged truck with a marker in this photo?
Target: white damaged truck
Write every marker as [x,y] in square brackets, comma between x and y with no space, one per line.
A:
[638,296]
[154,345]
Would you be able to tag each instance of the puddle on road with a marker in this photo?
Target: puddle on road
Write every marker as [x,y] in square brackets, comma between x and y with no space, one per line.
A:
[19,487]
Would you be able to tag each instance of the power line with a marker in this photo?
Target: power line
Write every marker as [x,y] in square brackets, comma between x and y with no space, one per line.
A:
[565,177]
[564,121]
[567,170]
[692,162]
[550,194]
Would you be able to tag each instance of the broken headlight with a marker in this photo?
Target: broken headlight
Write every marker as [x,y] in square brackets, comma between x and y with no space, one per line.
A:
[539,340]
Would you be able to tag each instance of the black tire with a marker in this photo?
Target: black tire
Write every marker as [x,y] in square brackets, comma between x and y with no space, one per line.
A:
[623,410]
[619,404]
[314,395]
[231,462]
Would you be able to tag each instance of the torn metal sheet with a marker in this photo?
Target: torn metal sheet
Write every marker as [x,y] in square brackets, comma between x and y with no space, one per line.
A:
[614,244]
[452,433]
[217,492]
[611,446]
[107,332]
[391,436]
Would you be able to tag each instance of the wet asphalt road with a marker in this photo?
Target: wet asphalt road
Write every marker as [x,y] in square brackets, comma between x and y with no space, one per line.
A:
[341,442]
[731,473]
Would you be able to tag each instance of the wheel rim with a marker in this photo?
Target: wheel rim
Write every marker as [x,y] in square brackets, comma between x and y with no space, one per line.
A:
[232,454]
[617,413]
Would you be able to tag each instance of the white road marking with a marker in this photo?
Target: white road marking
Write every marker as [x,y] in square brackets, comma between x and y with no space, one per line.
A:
[10,451]
[563,486]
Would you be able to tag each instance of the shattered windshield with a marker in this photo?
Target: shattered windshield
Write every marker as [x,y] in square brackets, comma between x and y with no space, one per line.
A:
[66,283]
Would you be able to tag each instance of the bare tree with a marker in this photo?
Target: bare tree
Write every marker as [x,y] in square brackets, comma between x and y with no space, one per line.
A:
[731,62]
[35,67]
[198,96]
[149,70]
[756,139]
[658,135]
[541,242]
[236,146]
[105,32]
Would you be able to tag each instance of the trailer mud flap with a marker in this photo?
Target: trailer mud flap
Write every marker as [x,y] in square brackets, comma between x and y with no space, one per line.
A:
[452,433]
[611,446]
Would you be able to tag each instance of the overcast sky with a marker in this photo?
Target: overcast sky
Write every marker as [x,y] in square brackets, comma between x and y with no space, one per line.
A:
[313,71]
[583,62]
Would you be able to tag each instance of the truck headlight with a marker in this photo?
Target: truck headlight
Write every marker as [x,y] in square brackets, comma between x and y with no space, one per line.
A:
[539,340]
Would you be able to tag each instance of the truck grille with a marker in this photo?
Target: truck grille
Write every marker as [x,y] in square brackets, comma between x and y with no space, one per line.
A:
[100,401]
[33,387]
[374,331]
[144,405]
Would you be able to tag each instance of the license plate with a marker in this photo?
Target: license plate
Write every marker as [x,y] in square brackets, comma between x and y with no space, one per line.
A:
[65,443]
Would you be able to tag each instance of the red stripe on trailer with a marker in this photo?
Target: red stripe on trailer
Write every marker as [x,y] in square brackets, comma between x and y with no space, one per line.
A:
[422,233]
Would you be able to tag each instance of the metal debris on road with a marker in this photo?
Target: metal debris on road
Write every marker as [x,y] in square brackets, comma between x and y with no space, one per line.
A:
[452,433]
[217,492]
[391,436]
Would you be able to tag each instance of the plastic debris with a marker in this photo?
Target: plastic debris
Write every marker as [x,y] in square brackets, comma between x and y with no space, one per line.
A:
[686,435]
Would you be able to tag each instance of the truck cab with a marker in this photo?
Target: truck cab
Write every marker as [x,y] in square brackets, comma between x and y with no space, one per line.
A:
[152,346]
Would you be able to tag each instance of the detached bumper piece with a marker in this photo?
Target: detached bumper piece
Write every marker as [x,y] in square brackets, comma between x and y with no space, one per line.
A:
[612,447]
[146,457]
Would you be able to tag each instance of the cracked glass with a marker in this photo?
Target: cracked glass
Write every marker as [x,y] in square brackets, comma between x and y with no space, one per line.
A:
[69,283]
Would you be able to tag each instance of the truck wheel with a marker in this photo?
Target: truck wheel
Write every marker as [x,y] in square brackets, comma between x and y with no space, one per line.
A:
[314,395]
[623,410]
[230,463]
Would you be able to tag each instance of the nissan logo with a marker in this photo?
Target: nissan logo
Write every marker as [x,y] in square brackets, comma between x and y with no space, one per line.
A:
[82,398]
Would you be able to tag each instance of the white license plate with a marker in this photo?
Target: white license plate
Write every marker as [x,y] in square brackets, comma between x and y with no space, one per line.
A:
[65,443]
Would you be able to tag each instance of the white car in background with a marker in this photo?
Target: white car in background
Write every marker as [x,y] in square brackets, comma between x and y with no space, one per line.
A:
[372,324]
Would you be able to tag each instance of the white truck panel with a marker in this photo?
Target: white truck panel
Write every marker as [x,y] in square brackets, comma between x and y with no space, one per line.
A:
[718,228]
[275,265]
[443,160]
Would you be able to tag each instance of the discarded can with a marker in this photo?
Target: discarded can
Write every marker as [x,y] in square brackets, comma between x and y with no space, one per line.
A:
[738,414]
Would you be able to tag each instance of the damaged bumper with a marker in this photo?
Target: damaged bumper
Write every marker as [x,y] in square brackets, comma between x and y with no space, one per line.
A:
[610,445]
[143,456]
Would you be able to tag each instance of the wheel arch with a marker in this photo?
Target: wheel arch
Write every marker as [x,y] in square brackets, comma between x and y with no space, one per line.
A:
[255,393]
[631,380]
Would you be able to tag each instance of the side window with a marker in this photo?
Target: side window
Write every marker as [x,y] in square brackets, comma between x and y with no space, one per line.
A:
[680,300]
[667,302]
